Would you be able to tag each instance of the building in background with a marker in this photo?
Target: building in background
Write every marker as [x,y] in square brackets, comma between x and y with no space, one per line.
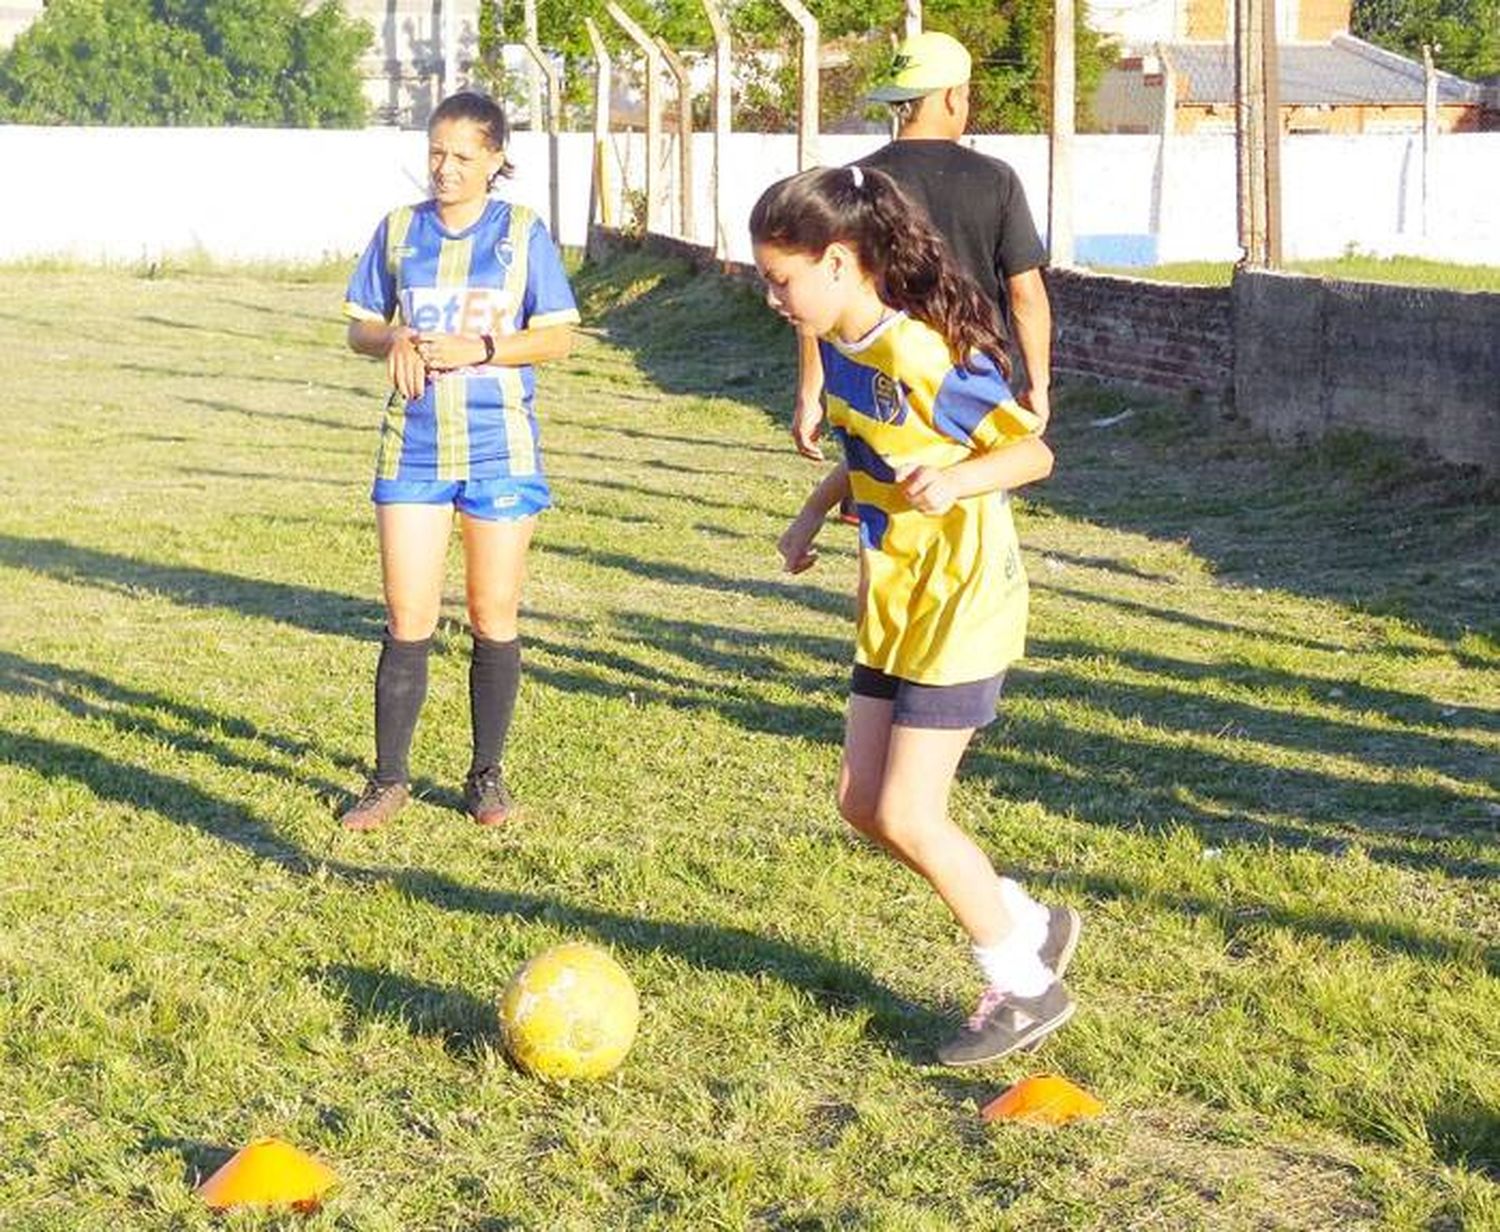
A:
[1177,60]
[403,68]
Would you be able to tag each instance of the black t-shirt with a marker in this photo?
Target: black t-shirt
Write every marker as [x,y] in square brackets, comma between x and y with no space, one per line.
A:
[976,202]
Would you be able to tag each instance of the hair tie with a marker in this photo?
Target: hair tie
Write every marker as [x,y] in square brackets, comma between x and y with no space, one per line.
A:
[858,175]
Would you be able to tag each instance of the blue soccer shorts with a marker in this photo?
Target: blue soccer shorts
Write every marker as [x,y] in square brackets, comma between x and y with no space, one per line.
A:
[491,500]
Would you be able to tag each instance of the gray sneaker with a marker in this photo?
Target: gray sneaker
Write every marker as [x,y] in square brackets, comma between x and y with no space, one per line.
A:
[1004,1023]
[377,804]
[1063,927]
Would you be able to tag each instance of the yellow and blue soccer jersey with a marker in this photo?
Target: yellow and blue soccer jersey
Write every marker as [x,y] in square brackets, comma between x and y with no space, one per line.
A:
[946,598]
[501,275]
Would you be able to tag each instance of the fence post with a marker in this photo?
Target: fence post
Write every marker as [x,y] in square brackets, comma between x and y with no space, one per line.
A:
[722,79]
[685,222]
[601,201]
[1250,129]
[807,112]
[554,160]
[1060,176]
[1429,136]
[1271,61]
[533,79]
[653,119]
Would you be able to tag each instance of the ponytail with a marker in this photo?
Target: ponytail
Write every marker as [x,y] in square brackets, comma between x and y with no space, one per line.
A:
[894,242]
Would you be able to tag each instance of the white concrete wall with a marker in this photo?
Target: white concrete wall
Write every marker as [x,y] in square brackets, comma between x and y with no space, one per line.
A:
[260,194]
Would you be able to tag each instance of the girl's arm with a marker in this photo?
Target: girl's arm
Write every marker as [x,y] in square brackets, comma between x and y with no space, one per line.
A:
[935,489]
[796,543]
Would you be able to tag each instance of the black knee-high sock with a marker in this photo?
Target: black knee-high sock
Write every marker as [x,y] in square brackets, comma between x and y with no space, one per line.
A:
[494,679]
[400,687]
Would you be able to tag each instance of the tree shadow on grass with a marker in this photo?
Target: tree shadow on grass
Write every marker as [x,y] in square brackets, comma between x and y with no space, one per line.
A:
[466,1026]
[305,607]
[219,407]
[371,392]
[1238,918]
[897,1023]
[1353,519]
[1157,777]
[714,443]
[193,730]
[798,594]
[690,335]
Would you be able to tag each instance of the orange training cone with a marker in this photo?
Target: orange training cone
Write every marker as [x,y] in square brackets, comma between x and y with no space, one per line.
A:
[268,1172]
[1045,1099]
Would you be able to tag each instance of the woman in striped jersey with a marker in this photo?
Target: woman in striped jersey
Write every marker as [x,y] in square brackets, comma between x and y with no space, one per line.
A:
[460,295]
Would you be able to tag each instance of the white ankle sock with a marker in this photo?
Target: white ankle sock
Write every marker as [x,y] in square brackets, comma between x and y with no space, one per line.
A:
[1014,967]
[1029,916]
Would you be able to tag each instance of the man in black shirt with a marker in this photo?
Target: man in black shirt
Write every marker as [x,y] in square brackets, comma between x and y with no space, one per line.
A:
[976,202]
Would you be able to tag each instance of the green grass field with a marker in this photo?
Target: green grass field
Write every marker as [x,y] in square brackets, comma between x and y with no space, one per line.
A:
[1256,742]
[1406,271]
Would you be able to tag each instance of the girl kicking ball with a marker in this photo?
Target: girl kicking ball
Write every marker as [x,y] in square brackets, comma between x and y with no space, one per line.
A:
[933,443]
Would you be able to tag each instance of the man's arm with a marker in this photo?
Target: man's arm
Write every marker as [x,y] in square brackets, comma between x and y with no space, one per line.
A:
[1031,317]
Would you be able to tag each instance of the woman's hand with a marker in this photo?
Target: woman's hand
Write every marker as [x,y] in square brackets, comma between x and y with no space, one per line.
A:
[796,544]
[929,489]
[408,371]
[444,352]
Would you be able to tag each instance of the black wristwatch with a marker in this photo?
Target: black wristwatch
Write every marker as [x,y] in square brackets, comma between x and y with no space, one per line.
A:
[489,347]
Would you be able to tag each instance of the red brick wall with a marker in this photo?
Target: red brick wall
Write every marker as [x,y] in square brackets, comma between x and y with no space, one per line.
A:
[1157,335]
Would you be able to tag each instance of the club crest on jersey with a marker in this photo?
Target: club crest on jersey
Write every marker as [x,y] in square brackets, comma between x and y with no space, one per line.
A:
[889,399]
[459,310]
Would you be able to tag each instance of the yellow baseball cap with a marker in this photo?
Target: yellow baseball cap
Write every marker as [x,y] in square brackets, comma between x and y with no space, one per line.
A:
[923,63]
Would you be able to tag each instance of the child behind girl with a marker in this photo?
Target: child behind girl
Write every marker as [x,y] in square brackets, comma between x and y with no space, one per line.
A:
[915,375]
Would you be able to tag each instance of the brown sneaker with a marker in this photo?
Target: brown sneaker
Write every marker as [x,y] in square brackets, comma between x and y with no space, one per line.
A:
[376,806]
[485,798]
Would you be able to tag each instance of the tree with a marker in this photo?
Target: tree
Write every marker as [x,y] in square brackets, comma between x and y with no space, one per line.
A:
[204,62]
[1465,33]
[1009,40]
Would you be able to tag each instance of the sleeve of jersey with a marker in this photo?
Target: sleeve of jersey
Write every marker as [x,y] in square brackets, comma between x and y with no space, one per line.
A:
[549,298]
[977,409]
[371,295]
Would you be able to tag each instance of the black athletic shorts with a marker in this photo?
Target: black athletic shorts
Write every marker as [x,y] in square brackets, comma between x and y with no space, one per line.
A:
[944,706]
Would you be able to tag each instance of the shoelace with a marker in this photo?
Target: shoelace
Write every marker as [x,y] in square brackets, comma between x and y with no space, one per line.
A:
[374,792]
[488,783]
[989,1001]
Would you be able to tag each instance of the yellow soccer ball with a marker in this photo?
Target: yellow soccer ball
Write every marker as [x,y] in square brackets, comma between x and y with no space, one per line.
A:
[571,1012]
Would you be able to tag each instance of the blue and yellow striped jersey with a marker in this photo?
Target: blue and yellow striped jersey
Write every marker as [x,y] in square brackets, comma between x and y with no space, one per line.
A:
[946,598]
[501,275]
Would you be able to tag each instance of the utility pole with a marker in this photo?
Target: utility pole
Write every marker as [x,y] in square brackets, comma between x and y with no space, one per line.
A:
[1060,175]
